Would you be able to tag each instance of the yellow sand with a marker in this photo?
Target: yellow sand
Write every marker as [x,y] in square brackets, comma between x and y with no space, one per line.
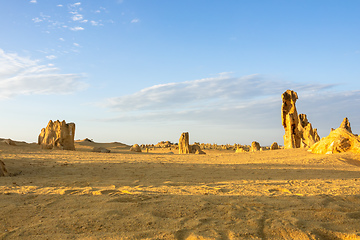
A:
[280,194]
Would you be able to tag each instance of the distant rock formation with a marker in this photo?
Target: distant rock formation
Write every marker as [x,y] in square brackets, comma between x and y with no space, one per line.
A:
[195,148]
[184,147]
[298,131]
[9,142]
[346,124]
[240,150]
[164,144]
[58,135]
[100,150]
[339,140]
[135,148]
[255,146]
[274,146]
[3,171]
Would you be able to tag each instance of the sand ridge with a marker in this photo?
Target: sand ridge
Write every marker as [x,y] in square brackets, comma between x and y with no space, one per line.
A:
[280,194]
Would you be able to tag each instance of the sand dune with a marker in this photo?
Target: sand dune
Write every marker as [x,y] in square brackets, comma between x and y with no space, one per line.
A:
[281,194]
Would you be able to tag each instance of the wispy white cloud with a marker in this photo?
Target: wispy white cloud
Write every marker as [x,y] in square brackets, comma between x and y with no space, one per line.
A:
[75,4]
[33,1]
[51,57]
[136,20]
[62,39]
[76,44]
[247,102]
[59,5]
[24,76]
[36,20]
[77,17]
[94,23]
[217,91]
[77,28]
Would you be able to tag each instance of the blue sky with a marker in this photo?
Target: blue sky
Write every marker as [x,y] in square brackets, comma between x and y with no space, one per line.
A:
[139,71]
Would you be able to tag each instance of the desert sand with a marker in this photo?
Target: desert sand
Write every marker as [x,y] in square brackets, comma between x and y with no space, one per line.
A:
[278,194]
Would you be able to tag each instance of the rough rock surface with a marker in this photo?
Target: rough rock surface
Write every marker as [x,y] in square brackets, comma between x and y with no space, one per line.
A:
[290,119]
[298,131]
[308,135]
[9,142]
[101,150]
[239,150]
[339,140]
[184,147]
[274,146]
[3,171]
[135,148]
[196,149]
[255,146]
[346,124]
[57,135]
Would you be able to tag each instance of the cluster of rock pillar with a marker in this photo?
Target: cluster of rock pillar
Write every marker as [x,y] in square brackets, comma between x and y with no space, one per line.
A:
[298,131]
[57,135]
[186,148]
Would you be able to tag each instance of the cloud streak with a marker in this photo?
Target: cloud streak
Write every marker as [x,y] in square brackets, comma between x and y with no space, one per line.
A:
[221,91]
[248,102]
[24,76]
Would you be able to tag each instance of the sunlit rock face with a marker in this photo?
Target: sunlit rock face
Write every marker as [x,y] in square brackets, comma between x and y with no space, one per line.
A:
[339,140]
[255,146]
[196,149]
[184,147]
[308,135]
[57,135]
[274,146]
[346,124]
[298,131]
[135,148]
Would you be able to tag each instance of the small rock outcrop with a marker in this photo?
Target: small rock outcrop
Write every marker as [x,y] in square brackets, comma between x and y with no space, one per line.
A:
[100,150]
[3,171]
[9,142]
[184,147]
[255,146]
[135,148]
[195,148]
[298,131]
[339,140]
[274,146]
[346,124]
[57,135]
[239,150]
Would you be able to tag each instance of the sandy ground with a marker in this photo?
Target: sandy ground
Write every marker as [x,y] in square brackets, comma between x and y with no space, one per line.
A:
[281,194]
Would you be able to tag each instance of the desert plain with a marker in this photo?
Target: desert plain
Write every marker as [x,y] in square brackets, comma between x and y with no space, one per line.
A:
[160,194]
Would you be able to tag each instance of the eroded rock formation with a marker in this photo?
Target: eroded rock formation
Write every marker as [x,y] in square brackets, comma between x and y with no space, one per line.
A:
[298,131]
[9,142]
[346,124]
[255,146]
[135,148]
[339,140]
[274,146]
[308,135]
[240,150]
[58,135]
[195,148]
[184,147]
[3,171]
